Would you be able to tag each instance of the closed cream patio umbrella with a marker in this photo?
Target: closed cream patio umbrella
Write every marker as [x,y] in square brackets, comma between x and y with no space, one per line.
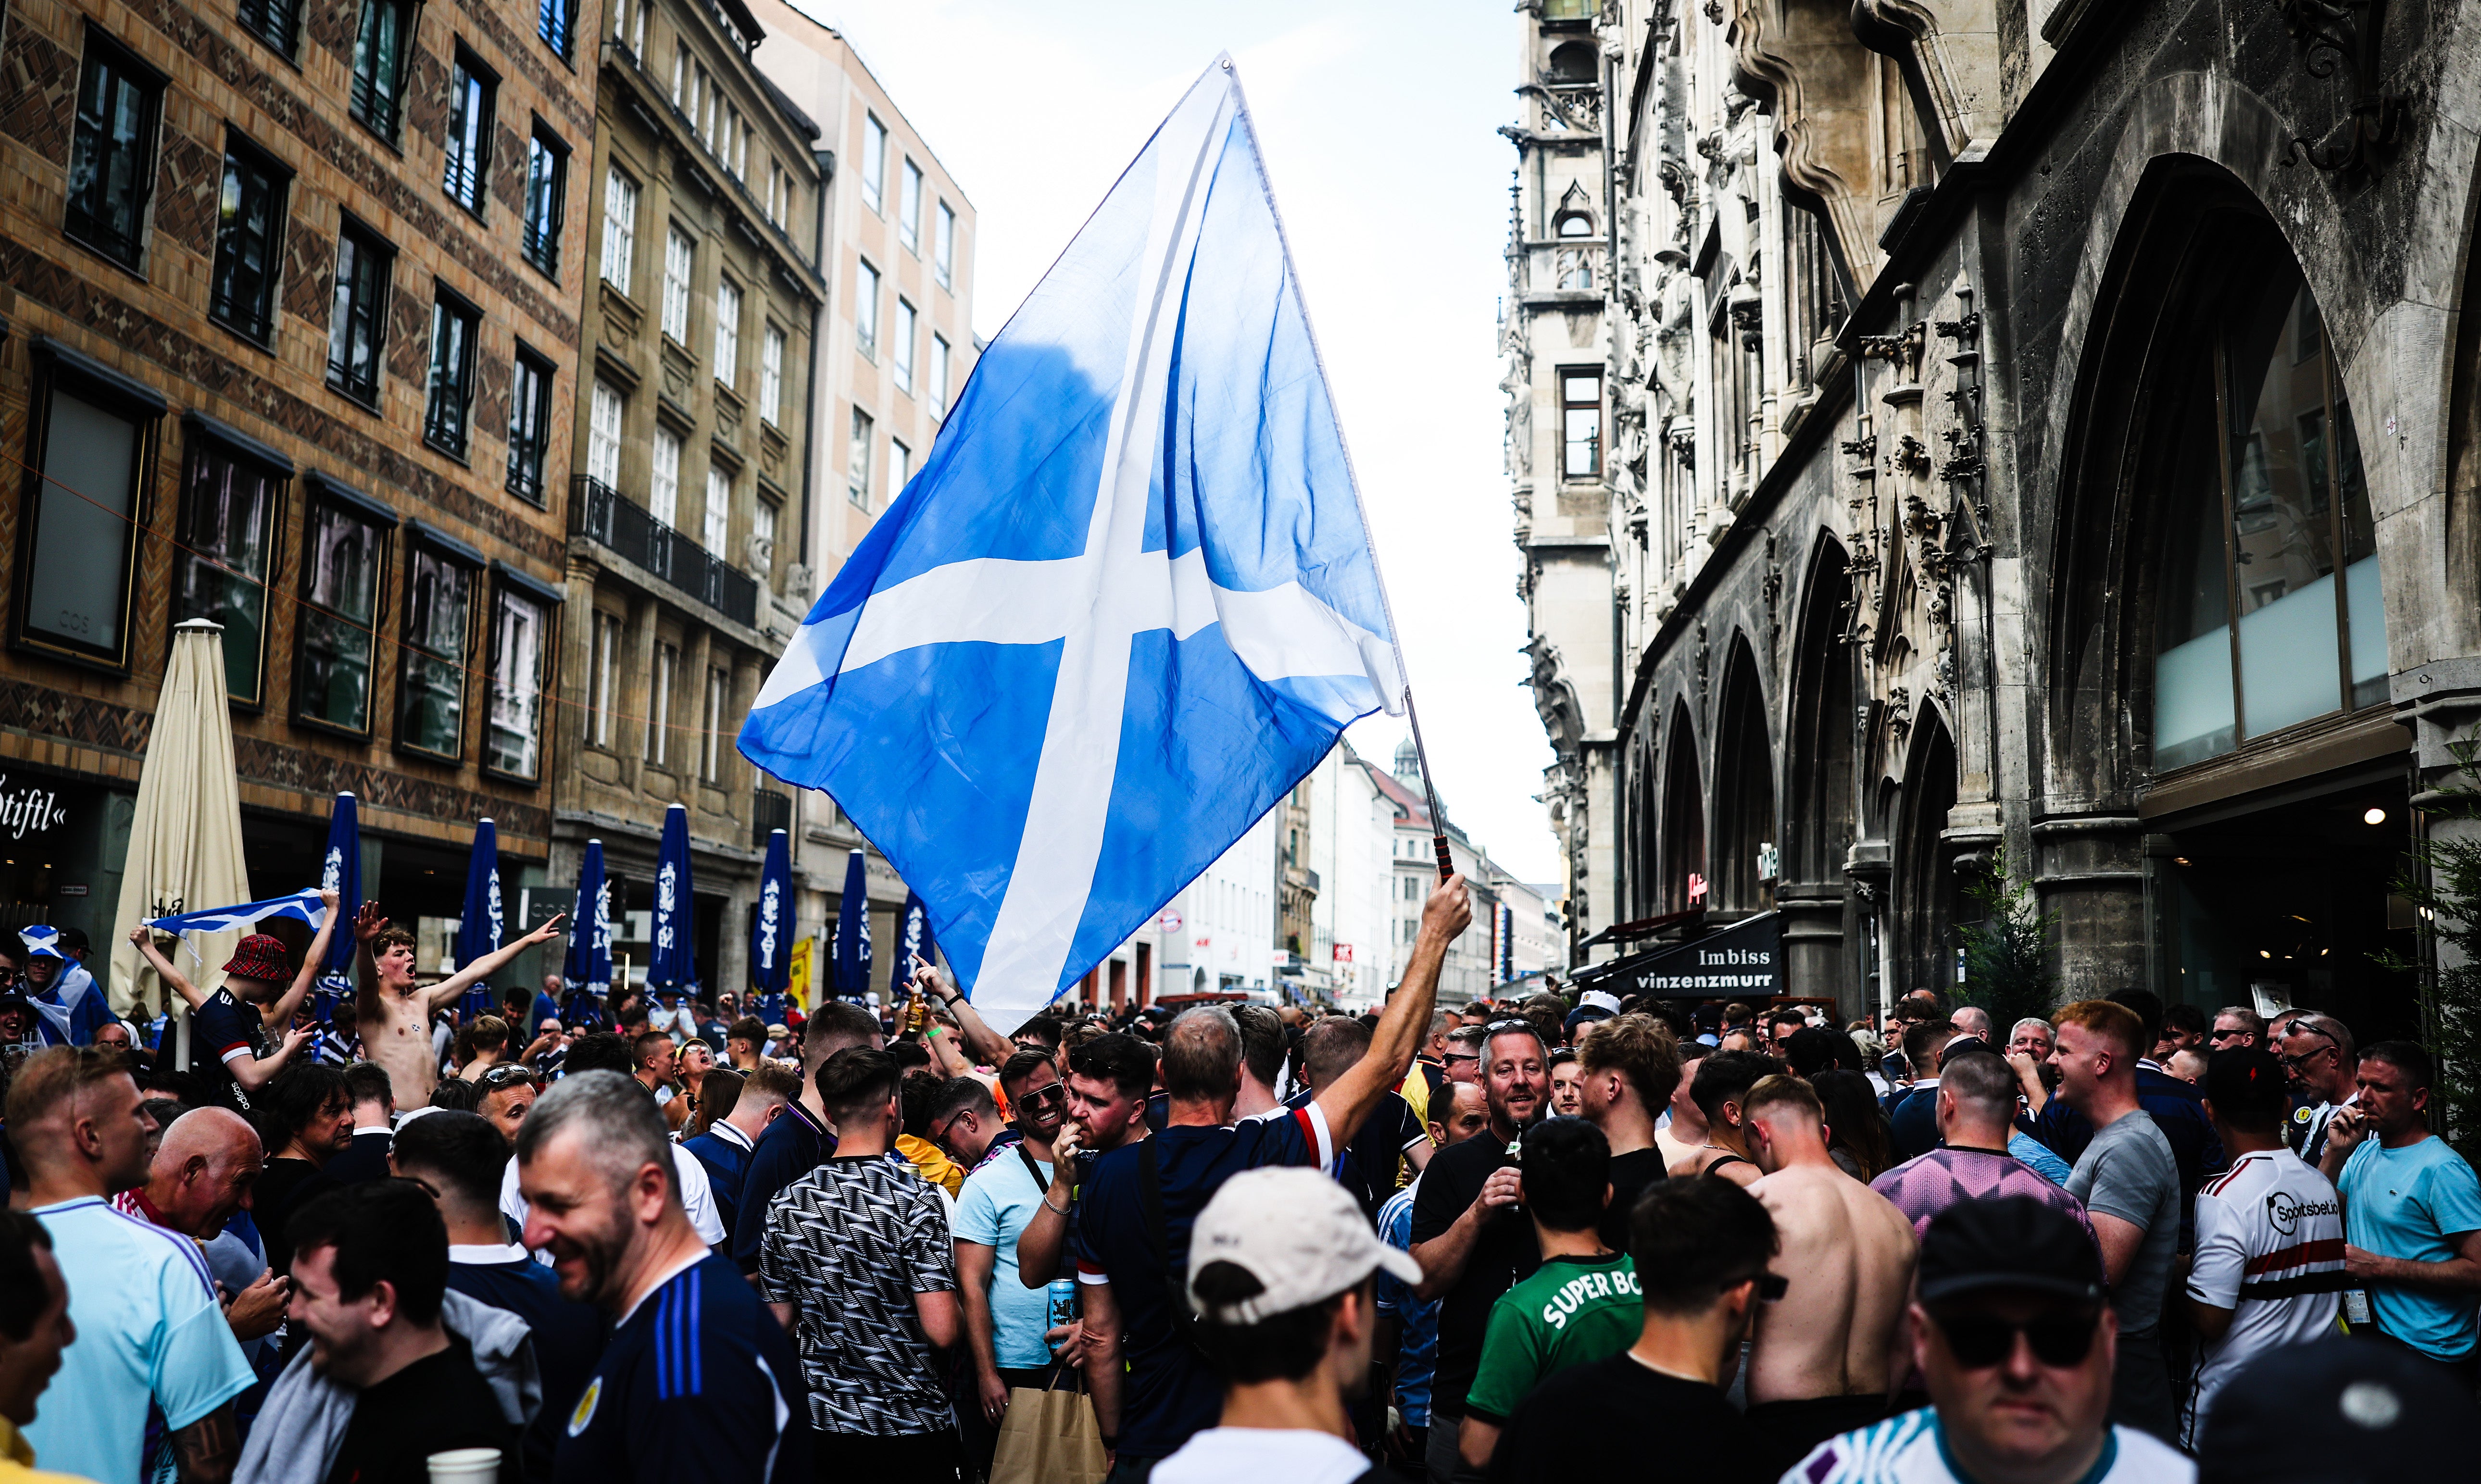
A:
[185,849]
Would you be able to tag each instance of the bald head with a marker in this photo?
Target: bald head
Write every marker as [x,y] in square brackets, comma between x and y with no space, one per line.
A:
[204,1169]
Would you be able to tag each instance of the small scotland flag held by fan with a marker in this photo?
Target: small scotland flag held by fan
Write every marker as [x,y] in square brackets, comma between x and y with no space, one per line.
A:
[1127,604]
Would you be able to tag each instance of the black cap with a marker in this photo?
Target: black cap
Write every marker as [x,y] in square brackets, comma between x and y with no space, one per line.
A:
[2337,1411]
[2247,1085]
[2013,1243]
[1965,1045]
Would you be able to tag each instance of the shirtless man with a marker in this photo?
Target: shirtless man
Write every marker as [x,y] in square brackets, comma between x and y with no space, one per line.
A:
[1824,1358]
[1720,1087]
[395,1014]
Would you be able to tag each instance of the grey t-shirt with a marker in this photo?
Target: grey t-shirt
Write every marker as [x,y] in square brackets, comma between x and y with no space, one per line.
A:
[2127,1171]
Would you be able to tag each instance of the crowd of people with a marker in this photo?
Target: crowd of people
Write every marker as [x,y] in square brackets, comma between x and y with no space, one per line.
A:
[412,1230]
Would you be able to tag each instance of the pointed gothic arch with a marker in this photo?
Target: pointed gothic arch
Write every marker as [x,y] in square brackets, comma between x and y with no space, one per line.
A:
[1744,784]
[1923,955]
[1684,813]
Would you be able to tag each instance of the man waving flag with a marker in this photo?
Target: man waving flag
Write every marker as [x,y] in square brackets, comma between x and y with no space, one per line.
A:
[1128,602]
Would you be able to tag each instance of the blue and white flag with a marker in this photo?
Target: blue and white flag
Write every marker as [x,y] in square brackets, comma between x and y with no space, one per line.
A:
[771,926]
[479,927]
[1129,601]
[671,957]
[851,977]
[303,906]
[72,1008]
[340,872]
[914,940]
[587,970]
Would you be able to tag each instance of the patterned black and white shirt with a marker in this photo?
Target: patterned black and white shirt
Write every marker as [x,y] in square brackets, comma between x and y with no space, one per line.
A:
[849,1245]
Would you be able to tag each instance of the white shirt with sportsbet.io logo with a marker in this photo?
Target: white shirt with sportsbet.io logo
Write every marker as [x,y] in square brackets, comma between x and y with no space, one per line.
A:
[1911,1449]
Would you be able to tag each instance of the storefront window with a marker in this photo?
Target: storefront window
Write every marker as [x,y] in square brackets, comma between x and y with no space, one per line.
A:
[222,564]
[438,604]
[513,742]
[2271,551]
[341,560]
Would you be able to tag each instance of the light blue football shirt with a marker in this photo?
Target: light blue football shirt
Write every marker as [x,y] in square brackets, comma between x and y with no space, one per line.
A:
[149,1330]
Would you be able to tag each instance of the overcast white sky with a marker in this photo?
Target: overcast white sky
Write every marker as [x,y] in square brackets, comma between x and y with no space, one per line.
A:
[1377,126]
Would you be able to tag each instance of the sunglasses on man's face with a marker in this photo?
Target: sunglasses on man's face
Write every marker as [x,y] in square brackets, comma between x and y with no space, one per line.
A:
[1979,1340]
[2225,1035]
[1043,1096]
[1461,1057]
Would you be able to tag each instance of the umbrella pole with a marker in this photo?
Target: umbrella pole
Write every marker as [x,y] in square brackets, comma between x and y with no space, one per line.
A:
[1438,819]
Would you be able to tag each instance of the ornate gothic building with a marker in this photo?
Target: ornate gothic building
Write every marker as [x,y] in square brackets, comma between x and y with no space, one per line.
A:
[2031,434]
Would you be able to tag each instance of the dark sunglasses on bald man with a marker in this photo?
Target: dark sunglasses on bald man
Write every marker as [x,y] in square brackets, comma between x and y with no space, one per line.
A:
[1981,1341]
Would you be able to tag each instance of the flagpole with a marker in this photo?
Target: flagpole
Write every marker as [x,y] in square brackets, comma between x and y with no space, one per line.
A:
[1437,820]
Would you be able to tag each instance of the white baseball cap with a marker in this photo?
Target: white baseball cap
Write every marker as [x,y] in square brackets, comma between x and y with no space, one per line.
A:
[1296,1231]
[1598,1000]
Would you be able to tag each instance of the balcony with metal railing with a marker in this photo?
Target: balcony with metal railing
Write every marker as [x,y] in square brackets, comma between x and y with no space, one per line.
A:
[628,529]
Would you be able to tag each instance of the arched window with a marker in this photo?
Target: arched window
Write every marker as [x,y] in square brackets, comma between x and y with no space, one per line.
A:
[1574,224]
[2267,613]
[1573,62]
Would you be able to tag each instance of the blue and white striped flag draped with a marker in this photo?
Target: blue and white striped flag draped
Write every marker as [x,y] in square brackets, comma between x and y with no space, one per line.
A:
[303,906]
[1127,604]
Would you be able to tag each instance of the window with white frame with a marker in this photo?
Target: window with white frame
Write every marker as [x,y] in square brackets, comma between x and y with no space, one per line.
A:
[866,310]
[858,461]
[874,161]
[938,389]
[718,700]
[664,490]
[603,679]
[603,436]
[620,228]
[908,208]
[719,511]
[762,532]
[680,261]
[659,702]
[904,338]
[943,255]
[900,467]
[727,332]
[771,375]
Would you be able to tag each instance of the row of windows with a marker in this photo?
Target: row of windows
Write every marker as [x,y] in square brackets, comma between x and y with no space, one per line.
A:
[680,276]
[908,203]
[664,743]
[93,445]
[664,749]
[902,345]
[606,413]
[111,163]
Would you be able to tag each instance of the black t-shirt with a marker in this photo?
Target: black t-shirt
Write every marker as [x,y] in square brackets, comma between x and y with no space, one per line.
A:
[220,1030]
[434,1405]
[281,1188]
[1504,1253]
[1367,1167]
[1631,1174]
[1612,1418]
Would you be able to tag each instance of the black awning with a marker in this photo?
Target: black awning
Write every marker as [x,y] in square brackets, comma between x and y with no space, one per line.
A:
[1742,961]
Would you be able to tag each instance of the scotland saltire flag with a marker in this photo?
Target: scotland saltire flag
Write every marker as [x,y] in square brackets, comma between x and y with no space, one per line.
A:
[302,906]
[1129,601]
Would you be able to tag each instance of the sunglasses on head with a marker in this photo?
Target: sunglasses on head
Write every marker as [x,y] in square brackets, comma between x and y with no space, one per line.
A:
[499,1075]
[1979,1341]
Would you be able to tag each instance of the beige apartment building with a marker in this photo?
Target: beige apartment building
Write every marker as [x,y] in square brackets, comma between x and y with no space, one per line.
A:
[288,297]
[895,346]
[692,489]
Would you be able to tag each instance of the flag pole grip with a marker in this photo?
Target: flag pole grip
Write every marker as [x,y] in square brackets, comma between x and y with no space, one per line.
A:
[1438,817]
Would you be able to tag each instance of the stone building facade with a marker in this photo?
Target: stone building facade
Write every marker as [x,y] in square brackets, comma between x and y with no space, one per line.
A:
[896,342]
[290,299]
[2029,432]
[691,492]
